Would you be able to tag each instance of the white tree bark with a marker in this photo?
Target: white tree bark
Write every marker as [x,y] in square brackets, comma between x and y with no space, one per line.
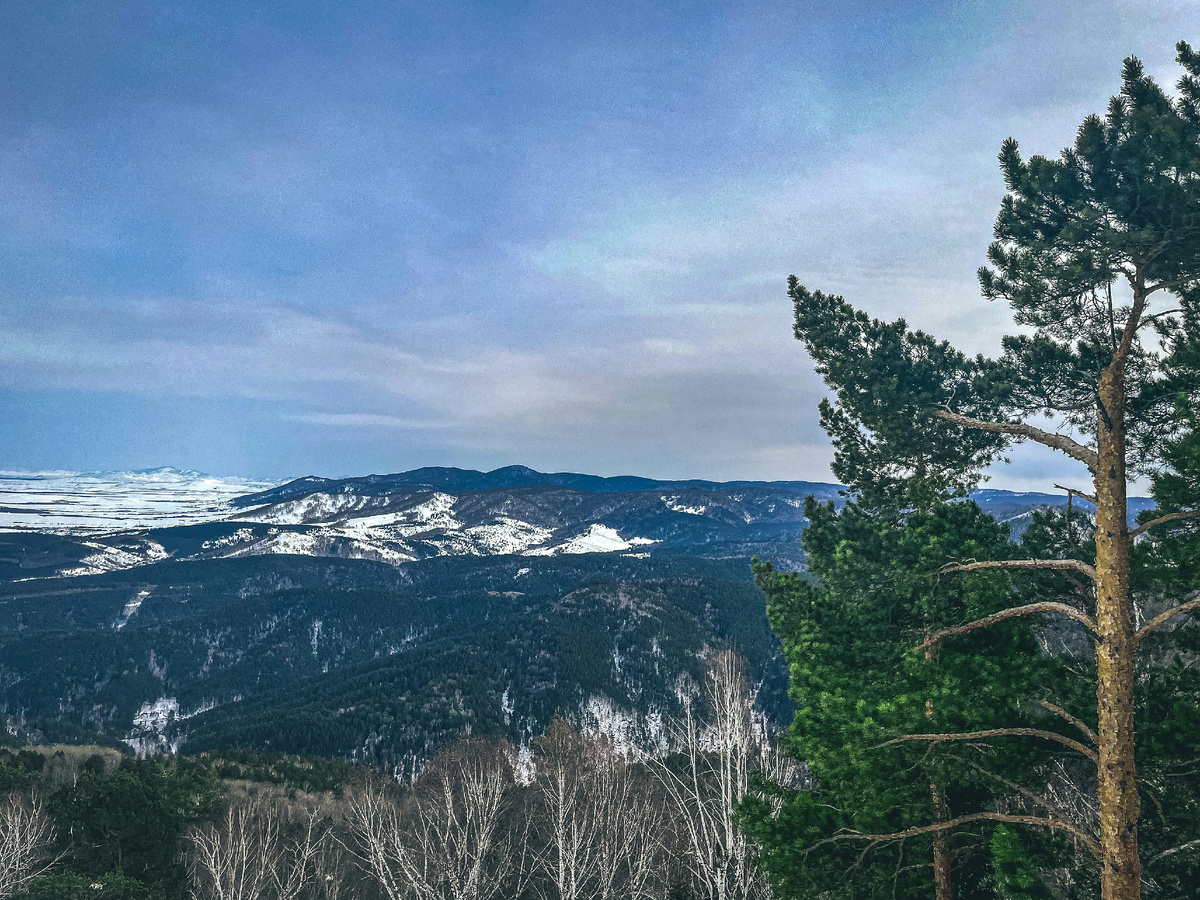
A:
[443,841]
[720,754]
[628,828]
[601,837]
[569,860]
[247,856]
[26,835]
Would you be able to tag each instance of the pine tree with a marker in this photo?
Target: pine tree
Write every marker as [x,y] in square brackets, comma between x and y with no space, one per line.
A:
[1098,255]
[873,709]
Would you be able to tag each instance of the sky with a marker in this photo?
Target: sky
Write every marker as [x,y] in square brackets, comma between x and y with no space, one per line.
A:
[281,238]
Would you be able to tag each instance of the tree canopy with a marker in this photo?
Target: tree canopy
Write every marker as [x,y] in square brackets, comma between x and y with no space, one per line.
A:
[1097,254]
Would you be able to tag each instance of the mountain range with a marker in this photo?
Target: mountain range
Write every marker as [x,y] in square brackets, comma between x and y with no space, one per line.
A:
[64,524]
[379,617]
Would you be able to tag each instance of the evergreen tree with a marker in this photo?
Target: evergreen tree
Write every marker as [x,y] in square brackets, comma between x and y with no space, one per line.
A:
[875,710]
[1098,255]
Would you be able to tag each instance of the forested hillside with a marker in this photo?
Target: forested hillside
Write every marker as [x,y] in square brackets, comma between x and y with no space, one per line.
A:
[362,660]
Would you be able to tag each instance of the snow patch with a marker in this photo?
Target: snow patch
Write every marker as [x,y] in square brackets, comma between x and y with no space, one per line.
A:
[116,559]
[130,609]
[597,539]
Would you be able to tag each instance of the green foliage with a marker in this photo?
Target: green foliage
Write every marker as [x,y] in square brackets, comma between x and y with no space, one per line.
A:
[20,769]
[852,635]
[885,379]
[314,774]
[132,820]
[111,886]
[1017,861]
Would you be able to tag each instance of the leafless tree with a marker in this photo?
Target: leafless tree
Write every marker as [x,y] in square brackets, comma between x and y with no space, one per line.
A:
[333,871]
[718,757]
[26,835]
[444,840]
[249,855]
[627,833]
[569,860]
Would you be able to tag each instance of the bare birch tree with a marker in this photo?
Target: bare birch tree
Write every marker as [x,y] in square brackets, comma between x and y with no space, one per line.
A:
[628,833]
[249,856]
[569,860]
[26,836]
[444,839]
[601,836]
[719,756]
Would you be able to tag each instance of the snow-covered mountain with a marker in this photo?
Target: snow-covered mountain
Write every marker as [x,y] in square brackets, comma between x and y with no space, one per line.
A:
[82,524]
[62,523]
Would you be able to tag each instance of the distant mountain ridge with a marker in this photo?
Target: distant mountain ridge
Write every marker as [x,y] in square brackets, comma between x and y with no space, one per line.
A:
[451,480]
[81,524]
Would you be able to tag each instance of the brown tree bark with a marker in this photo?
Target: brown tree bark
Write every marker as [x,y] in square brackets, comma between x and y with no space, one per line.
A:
[1113,625]
[1121,875]
[942,885]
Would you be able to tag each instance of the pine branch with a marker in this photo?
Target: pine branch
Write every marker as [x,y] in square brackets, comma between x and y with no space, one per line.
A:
[1188,846]
[1011,613]
[948,824]
[1134,322]
[1061,442]
[1027,794]
[1069,565]
[1169,517]
[1146,320]
[1000,732]
[1067,717]
[1162,619]
[1084,494]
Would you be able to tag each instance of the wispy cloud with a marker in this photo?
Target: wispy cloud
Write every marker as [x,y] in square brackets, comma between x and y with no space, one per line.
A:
[556,236]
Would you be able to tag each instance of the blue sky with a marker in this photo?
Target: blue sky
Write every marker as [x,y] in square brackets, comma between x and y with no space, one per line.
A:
[273,239]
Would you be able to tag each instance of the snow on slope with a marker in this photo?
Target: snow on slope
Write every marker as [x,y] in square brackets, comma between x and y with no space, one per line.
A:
[384,531]
[597,539]
[114,559]
[674,504]
[74,502]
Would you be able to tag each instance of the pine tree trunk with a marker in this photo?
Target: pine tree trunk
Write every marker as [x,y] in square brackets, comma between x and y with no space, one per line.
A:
[942,885]
[1118,789]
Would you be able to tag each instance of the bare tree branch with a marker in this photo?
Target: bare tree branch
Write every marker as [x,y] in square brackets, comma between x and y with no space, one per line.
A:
[1067,717]
[449,840]
[1038,821]
[1000,732]
[26,836]
[1070,565]
[703,794]
[1061,442]
[1162,619]
[1078,493]
[1188,846]
[1169,517]
[1029,795]
[1012,613]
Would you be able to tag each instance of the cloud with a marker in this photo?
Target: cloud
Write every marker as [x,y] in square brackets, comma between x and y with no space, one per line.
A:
[438,240]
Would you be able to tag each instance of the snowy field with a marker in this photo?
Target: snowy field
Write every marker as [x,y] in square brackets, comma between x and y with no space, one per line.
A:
[106,501]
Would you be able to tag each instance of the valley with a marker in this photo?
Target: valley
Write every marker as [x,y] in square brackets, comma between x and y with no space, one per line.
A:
[379,618]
